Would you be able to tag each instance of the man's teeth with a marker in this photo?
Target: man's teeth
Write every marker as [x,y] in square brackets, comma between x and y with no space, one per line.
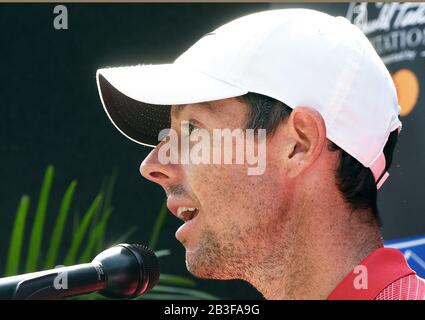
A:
[180,210]
[186,213]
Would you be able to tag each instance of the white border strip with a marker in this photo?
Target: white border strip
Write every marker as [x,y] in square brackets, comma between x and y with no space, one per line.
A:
[406,244]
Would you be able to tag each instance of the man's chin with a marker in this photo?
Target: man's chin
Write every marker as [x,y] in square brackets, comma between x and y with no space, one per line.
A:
[206,269]
[204,258]
[197,267]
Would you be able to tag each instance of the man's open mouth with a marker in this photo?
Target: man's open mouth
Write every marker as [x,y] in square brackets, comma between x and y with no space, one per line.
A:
[186,214]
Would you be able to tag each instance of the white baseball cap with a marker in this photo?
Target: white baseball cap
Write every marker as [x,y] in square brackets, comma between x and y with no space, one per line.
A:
[300,57]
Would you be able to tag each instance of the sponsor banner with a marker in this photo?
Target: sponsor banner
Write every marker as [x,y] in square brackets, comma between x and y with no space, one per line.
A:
[397,31]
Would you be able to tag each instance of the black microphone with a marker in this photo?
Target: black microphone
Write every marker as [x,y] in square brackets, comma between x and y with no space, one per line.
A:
[122,271]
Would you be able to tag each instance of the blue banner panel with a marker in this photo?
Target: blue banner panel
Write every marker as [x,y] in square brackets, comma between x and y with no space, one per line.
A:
[413,249]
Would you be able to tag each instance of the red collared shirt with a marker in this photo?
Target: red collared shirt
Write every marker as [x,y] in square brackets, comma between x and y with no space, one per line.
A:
[389,277]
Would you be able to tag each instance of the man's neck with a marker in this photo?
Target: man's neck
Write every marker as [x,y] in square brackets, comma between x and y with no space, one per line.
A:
[324,250]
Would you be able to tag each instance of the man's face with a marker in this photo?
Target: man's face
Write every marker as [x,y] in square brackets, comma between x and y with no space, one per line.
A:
[238,216]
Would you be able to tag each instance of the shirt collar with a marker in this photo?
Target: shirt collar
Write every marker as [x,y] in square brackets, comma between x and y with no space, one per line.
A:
[384,266]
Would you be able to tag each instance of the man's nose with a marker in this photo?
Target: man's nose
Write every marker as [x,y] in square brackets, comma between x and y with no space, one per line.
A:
[155,171]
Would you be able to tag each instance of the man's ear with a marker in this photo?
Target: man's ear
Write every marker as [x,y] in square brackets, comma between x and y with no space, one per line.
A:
[306,137]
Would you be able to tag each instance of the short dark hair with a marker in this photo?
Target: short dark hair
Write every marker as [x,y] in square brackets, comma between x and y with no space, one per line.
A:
[355,182]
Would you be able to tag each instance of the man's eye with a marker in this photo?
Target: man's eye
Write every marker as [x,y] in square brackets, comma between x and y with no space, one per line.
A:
[192,127]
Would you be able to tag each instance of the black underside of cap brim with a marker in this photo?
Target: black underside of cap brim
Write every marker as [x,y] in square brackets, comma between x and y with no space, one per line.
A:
[138,120]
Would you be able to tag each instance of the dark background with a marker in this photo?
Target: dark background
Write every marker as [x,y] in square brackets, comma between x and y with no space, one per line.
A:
[51,114]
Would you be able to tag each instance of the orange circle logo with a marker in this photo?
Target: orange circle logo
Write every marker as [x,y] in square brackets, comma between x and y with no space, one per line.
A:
[407,86]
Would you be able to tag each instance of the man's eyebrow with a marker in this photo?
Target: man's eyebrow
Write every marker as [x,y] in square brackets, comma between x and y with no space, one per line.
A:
[177,109]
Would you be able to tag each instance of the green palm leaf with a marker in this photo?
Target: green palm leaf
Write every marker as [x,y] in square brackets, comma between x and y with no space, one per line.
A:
[171,279]
[196,294]
[59,226]
[95,235]
[153,241]
[38,226]
[81,231]
[15,244]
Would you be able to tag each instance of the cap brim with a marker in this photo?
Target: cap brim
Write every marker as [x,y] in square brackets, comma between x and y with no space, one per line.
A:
[137,99]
